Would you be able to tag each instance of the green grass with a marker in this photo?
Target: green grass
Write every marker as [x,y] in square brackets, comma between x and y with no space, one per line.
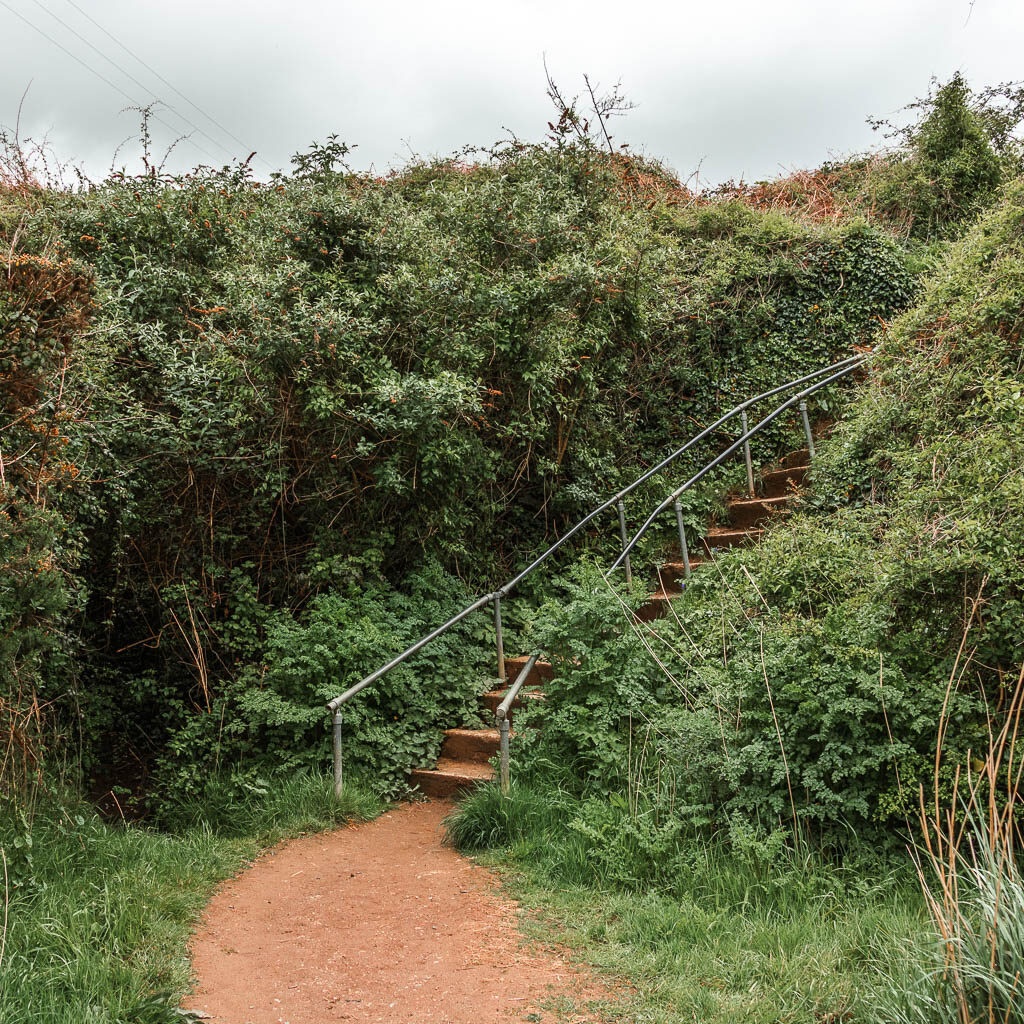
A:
[98,915]
[726,936]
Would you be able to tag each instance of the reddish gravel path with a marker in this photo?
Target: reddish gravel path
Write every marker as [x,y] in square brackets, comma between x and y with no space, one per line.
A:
[376,922]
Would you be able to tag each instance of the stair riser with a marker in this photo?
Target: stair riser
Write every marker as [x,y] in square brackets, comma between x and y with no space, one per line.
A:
[653,608]
[729,540]
[540,672]
[749,514]
[672,574]
[489,703]
[801,457]
[780,482]
[469,748]
[442,787]
[670,586]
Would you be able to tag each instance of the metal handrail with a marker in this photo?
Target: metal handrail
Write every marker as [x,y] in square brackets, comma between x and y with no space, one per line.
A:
[834,371]
[334,704]
[744,441]
[742,407]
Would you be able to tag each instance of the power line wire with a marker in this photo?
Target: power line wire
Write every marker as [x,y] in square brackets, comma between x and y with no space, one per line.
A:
[170,85]
[129,75]
[99,75]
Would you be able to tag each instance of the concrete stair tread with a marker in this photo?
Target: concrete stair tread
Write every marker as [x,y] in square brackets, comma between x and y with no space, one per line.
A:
[795,473]
[531,694]
[674,566]
[482,734]
[725,536]
[452,768]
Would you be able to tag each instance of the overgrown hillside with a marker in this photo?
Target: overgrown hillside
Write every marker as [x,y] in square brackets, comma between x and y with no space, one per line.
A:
[243,416]
[258,437]
[804,683]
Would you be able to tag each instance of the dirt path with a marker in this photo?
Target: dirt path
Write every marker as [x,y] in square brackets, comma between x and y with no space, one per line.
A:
[376,922]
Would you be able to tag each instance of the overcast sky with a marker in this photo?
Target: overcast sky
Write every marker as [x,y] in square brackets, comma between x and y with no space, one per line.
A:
[744,89]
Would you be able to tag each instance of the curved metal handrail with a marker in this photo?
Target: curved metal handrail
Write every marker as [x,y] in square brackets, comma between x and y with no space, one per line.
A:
[737,410]
[494,598]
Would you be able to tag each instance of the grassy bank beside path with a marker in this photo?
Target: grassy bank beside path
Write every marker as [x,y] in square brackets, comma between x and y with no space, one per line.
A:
[97,916]
[730,938]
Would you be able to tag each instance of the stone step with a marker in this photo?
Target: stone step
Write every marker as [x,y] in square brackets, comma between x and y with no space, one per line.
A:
[747,512]
[540,672]
[450,777]
[656,605]
[725,537]
[781,482]
[469,744]
[493,698]
[672,574]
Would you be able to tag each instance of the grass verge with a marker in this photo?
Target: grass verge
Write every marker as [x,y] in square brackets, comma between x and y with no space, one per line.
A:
[728,936]
[97,916]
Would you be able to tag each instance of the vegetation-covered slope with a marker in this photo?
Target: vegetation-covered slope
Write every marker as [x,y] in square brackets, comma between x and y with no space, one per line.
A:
[804,680]
[265,407]
[257,437]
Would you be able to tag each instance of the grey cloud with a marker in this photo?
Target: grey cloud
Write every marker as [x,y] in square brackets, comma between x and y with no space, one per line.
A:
[750,88]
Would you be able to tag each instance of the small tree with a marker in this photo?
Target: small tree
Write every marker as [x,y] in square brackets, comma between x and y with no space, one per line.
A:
[950,169]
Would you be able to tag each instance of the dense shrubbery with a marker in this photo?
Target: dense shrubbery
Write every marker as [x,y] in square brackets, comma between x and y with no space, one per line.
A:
[803,682]
[259,437]
[281,404]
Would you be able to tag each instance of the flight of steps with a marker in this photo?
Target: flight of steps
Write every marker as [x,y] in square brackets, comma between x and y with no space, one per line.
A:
[466,753]
[776,487]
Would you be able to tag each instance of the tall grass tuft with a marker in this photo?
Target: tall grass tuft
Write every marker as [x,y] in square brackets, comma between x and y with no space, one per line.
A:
[969,868]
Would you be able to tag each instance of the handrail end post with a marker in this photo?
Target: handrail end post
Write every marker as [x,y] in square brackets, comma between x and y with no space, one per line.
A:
[807,427]
[503,728]
[338,769]
[684,551]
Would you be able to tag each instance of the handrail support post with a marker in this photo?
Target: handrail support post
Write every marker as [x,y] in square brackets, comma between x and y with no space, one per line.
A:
[746,454]
[625,540]
[503,729]
[682,539]
[807,428]
[498,642]
[338,780]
